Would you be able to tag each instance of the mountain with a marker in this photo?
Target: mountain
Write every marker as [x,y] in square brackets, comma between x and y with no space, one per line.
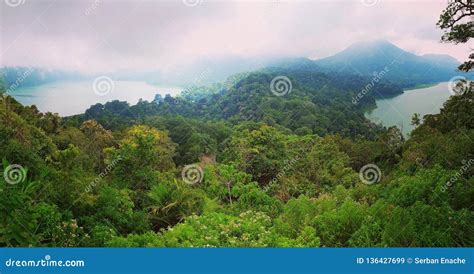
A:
[441,60]
[402,67]
[16,77]
[360,62]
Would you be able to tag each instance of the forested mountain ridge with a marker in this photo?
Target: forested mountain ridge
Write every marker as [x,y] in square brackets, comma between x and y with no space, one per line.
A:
[280,156]
[405,68]
[359,61]
[287,171]
[364,59]
[315,104]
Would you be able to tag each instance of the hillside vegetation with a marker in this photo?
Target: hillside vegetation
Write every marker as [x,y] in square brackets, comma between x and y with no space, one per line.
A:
[266,171]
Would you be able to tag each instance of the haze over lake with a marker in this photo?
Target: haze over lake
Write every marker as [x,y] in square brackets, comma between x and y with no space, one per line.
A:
[398,110]
[75,97]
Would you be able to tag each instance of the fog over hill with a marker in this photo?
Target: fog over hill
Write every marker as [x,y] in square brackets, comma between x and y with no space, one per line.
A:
[361,58]
[405,68]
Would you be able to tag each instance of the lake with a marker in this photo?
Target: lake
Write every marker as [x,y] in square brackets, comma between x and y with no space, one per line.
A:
[398,110]
[69,98]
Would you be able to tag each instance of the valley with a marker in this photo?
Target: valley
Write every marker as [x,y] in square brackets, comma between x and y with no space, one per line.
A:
[237,124]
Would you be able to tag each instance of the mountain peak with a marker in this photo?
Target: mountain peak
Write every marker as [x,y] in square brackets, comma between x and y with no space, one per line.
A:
[367,57]
[360,54]
[376,46]
[372,42]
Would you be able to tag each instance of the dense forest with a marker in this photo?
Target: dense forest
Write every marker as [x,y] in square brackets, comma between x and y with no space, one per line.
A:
[279,157]
[237,166]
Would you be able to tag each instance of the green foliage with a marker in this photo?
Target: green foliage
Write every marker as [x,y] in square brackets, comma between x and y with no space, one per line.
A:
[277,172]
[258,151]
[115,208]
[251,197]
[248,229]
[456,28]
[170,203]
[142,153]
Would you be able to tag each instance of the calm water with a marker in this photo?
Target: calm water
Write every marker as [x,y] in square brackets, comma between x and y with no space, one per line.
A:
[397,111]
[69,98]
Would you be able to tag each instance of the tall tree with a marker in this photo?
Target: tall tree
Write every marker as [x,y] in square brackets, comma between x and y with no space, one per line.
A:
[457,21]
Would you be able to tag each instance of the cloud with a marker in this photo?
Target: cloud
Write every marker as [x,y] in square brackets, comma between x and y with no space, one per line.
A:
[101,36]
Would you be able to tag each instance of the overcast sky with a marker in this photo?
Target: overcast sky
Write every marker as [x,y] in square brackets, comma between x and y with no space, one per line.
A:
[106,35]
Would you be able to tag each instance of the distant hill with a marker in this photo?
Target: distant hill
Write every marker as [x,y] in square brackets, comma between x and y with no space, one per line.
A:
[404,68]
[359,62]
[16,77]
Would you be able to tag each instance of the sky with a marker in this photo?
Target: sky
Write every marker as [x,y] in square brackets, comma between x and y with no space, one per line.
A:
[108,35]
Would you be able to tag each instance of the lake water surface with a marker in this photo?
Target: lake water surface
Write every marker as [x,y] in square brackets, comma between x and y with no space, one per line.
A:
[398,110]
[69,98]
